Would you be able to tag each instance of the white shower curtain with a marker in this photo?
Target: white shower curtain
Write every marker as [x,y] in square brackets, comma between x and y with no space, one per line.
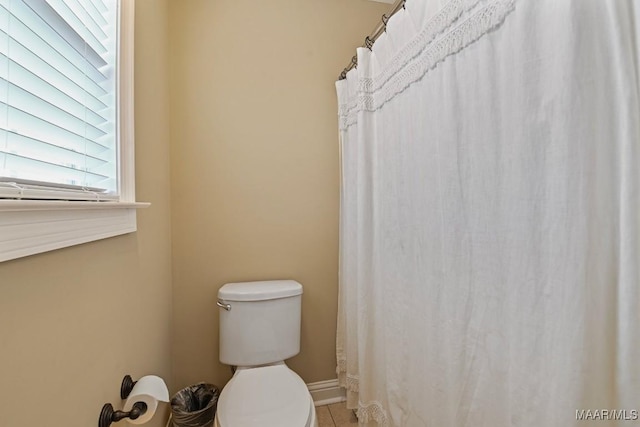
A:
[490,216]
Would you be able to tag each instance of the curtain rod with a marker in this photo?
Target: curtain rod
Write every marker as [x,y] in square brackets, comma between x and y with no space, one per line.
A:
[370,40]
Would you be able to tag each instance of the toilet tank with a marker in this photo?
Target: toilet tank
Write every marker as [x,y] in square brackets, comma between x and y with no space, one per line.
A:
[259,322]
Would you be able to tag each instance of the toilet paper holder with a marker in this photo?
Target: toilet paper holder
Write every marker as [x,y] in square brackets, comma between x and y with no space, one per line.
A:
[127,386]
[108,415]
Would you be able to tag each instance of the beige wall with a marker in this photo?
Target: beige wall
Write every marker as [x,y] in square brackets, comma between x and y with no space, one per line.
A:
[255,173]
[74,321]
[255,196]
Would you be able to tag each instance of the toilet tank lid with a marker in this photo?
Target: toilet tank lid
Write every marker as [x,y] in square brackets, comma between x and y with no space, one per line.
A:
[259,291]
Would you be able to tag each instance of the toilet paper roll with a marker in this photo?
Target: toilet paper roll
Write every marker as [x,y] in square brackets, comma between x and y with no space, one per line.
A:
[150,390]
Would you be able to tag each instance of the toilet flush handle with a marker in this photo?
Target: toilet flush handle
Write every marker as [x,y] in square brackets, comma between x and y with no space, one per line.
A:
[222,305]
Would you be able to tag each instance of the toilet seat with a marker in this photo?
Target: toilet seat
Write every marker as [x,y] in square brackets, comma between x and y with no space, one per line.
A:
[265,396]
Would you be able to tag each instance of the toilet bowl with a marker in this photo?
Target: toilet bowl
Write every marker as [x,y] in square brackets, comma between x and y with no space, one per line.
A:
[259,330]
[266,396]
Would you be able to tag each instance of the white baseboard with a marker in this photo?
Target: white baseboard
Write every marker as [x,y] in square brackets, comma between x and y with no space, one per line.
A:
[326,392]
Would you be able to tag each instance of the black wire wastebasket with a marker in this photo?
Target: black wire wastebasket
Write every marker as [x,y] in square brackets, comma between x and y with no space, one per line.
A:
[195,406]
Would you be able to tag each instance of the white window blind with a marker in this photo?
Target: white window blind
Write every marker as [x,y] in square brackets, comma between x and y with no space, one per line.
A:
[58,97]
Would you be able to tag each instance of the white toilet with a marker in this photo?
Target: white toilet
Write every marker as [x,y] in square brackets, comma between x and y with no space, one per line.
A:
[259,329]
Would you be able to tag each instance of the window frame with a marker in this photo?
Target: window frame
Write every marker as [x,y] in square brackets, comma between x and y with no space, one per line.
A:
[29,227]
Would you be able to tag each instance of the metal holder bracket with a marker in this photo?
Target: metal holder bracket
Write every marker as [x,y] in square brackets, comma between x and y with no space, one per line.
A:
[108,415]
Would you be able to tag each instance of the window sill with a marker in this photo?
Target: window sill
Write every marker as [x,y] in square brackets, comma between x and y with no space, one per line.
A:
[29,227]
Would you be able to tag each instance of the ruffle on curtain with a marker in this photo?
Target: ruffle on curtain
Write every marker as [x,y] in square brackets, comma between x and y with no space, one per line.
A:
[403,55]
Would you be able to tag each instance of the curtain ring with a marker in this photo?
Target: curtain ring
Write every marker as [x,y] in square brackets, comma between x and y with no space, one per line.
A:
[404,4]
[385,19]
[354,61]
[368,42]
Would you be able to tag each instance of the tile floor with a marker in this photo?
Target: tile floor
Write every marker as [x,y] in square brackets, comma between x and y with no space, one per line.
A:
[336,415]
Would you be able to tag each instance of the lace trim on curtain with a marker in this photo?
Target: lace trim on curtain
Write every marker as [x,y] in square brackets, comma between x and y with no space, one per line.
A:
[342,362]
[436,25]
[349,382]
[372,411]
[431,52]
[346,380]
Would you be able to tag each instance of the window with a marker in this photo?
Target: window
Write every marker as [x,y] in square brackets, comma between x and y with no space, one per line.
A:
[66,123]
